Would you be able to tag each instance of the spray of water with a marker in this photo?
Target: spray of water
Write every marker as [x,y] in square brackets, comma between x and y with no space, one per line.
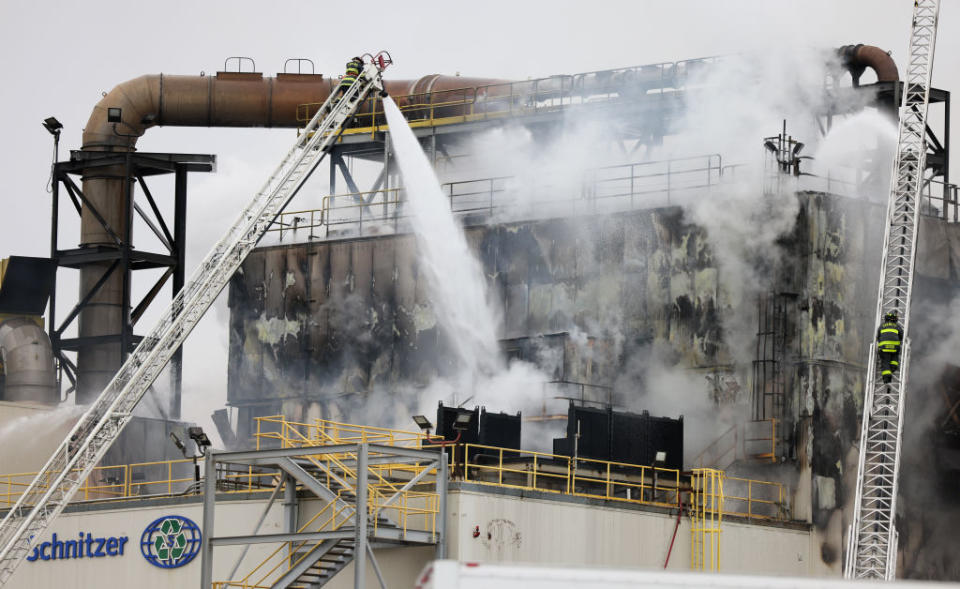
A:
[457,284]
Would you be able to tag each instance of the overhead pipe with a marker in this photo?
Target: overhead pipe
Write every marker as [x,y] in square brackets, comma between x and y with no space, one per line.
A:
[228,99]
[27,362]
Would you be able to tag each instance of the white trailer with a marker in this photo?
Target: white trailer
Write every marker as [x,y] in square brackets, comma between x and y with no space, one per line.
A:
[450,574]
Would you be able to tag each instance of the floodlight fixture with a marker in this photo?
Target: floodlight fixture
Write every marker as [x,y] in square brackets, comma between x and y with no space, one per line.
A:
[661,457]
[422,422]
[114,114]
[180,446]
[462,419]
[52,125]
[201,439]
[771,146]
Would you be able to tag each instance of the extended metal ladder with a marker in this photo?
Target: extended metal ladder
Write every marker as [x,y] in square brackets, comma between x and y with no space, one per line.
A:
[87,442]
[872,539]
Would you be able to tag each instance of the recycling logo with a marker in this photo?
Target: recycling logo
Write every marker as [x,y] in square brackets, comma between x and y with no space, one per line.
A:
[170,541]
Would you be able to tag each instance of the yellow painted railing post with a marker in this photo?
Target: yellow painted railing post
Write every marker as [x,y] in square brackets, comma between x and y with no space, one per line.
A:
[609,483]
[500,468]
[535,469]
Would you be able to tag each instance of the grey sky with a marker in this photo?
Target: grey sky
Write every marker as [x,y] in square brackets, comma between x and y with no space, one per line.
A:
[58,57]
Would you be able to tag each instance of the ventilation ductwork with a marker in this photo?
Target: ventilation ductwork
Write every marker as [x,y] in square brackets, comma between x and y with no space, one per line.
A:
[27,362]
[857,58]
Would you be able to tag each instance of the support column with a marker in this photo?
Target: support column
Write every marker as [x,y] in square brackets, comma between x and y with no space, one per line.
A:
[52,308]
[179,279]
[333,177]
[126,329]
[946,162]
[442,507]
[360,541]
[209,504]
[289,504]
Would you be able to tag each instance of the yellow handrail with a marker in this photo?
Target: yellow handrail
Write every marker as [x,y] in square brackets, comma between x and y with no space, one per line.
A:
[582,477]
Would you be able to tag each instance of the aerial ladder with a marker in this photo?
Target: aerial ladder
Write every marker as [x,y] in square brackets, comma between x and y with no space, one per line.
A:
[872,538]
[51,490]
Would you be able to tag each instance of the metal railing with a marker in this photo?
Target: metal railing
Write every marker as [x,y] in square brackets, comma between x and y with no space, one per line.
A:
[276,431]
[601,190]
[160,478]
[754,440]
[474,463]
[754,499]
[552,473]
[940,200]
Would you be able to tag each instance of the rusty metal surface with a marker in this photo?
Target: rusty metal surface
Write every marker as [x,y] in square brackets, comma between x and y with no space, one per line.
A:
[228,99]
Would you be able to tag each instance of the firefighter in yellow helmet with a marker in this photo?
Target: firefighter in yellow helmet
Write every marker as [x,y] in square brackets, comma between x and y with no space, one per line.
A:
[889,338]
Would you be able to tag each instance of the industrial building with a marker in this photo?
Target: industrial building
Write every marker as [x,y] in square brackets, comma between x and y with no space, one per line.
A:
[681,337]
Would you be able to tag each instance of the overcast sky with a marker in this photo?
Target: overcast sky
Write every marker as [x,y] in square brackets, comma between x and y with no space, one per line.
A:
[59,57]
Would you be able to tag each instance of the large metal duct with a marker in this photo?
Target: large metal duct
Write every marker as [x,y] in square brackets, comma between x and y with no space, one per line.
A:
[226,100]
[27,362]
[857,58]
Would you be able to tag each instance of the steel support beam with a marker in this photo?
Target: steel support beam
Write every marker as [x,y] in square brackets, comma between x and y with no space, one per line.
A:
[260,457]
[346,532]
[307,480]
[360,539]
[442,477]
[209,504]
[256,528]
[376,567]
[179,277]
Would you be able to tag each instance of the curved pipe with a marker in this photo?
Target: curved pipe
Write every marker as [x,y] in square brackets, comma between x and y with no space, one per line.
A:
[857,58]
[27,362]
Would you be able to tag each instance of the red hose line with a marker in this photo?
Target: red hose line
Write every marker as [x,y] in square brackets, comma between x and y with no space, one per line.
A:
[672,540]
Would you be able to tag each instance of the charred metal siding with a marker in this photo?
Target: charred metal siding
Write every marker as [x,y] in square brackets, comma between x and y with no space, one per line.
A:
[312,322]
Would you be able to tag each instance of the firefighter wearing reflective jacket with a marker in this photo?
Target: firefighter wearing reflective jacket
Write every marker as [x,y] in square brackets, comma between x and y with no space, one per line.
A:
[889,338]
[354,67]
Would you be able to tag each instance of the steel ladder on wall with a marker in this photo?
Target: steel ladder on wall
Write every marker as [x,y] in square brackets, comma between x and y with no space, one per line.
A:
[872,539]
[72,462]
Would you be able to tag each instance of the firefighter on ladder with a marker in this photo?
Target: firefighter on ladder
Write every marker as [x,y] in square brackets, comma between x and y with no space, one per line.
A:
[889,338]
[354,67]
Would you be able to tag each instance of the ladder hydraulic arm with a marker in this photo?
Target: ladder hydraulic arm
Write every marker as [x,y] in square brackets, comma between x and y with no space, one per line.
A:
[872,538]
[87,442]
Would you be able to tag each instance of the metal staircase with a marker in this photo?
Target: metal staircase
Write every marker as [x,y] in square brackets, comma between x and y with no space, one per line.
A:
[872,540]
[376,487]
[331,557]
[87,442]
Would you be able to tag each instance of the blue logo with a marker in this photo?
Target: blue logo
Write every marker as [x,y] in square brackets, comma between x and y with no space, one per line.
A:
[170,541]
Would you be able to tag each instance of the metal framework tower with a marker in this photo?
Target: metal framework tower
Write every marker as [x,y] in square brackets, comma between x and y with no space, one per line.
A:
[872,540]
[90,439]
